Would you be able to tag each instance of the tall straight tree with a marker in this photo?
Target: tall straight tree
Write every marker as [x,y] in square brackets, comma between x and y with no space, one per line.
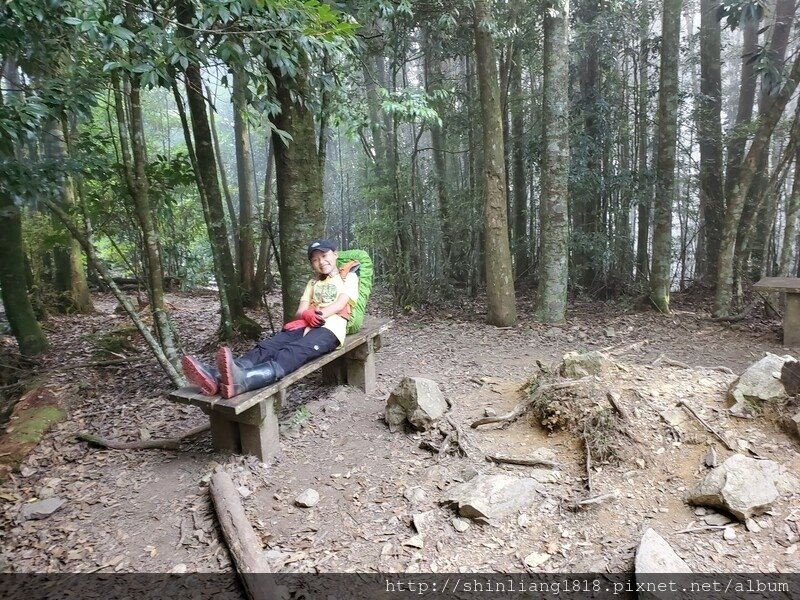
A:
[244,172]
[552,300]
[301,212]
[665,155]
[709,133]
[502,310]
[224,269]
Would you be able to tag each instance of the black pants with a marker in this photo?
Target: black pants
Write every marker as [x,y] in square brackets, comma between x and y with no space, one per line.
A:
[291,349]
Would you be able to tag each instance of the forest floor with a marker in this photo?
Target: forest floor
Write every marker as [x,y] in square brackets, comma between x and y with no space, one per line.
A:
[150,511]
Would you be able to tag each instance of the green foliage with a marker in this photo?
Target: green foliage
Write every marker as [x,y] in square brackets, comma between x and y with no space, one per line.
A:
[737,12]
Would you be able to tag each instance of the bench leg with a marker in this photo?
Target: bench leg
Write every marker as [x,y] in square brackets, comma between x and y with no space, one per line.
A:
[361,373]
[224,434]
[335,372]
[791,321]
[258,429]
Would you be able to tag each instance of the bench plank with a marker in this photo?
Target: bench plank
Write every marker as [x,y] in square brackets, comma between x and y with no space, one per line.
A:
[791,314]
[779,284]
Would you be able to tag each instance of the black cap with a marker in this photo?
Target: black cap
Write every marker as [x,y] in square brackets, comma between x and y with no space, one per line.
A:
[323,245]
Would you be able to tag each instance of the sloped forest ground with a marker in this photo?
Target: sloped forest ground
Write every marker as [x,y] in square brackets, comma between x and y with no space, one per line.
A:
[150,511]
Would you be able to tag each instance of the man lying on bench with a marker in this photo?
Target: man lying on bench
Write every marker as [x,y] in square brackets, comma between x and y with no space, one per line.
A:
[320,327]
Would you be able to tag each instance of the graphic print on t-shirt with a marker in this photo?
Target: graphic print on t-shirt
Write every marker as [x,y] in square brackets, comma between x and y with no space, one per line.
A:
[325,293]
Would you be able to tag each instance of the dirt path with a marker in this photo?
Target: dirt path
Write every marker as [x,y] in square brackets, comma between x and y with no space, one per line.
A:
[149,511]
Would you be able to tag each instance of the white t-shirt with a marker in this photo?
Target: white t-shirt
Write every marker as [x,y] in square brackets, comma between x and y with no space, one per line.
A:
[322,293]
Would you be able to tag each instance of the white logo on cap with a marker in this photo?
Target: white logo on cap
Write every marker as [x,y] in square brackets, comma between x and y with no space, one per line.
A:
[315,244]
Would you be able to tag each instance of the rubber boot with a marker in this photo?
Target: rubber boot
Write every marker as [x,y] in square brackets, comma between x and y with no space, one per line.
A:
[200,375]
[238,377]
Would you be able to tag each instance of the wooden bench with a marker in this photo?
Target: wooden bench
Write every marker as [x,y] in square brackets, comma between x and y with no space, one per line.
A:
[791,314]
[248,423]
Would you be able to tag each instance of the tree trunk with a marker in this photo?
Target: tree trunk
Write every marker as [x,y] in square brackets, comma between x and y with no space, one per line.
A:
[552,300]
[265,244]
[642,180]
[709,133]
[223,177]
[150,235]
[522,244]
[244,172]
[301,213]
[792,212]
[224,269]
[747,172]
[70,275]
[502,310]
[665,157]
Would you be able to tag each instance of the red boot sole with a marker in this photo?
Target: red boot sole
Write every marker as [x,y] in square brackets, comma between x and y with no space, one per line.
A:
[208,385]
[225,367]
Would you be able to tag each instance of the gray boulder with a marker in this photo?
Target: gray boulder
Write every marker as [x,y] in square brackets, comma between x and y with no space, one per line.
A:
[576,365]
[758,384]
[492,497]
[655,555]
[41,509]
[416,400]
[743,486]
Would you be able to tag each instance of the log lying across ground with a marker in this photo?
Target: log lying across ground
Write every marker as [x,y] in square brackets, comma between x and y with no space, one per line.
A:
[243,543]
[160,444]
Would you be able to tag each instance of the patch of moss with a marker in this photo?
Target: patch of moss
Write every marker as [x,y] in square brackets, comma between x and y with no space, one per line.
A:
[33,423]
[114,342]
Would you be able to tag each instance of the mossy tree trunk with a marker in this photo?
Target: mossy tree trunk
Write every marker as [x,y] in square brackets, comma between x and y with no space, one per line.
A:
[70,274]
[552,300]
[502,310]
[667,119]
[301,213]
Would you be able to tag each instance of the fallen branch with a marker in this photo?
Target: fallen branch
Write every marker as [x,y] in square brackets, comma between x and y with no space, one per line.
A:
[588,466]
[523,406]
[742,315]
[704,528]
[160,444]
[525,462]
[613,399]
[617,349]
[464,441]
[598,499]
[706,425]
[243,543]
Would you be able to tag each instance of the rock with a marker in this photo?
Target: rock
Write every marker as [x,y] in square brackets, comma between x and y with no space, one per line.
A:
[729,534]
[276,558]
[717,519]
[796,424]
[307,499]
[41,509]
[523,520]
[469,473]
[422,521]
[179,568]
[673,416]
[536,559]
[415,494]
[489,412]
[610,332]
[757,385]
[491,497]
[460,525]
[244,492]
[743,486]
[710,459]
[752,526]
[416,541]
[655,555]
[416,400]
[576,365]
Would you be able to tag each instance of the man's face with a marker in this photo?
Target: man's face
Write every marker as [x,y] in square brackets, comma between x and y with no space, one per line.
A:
[323,262]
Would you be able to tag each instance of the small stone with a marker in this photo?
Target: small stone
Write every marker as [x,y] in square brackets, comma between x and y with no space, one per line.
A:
[179,568]
[243,491]
[729,534]
[415,494]
[490,412]
[610,332]
[700,511]
[422,521]
[386,549]
[307,499]
[27,471]
[536,559]
[523,520]
[640,463]
[710,459]
[752,526]
[469,473]
[717,519]
[460,525]
[706,382]
[416,541]
[41,509]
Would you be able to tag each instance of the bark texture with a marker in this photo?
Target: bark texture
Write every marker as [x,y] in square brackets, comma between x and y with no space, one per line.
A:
[502,310]
[552,300]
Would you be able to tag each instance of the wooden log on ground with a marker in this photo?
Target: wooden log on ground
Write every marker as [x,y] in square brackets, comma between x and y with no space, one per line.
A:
[159,444]
[243,543]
